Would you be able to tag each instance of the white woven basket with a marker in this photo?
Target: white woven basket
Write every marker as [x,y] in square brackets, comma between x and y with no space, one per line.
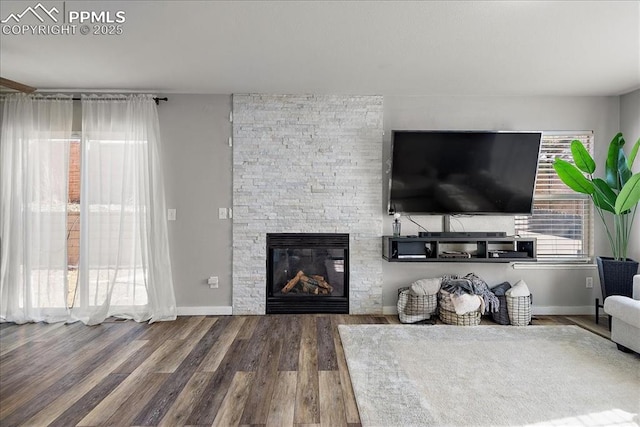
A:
[467,319]
[448,313]
[415,308]
[519,309]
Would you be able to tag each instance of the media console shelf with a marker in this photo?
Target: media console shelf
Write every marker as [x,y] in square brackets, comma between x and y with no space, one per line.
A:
[458,249]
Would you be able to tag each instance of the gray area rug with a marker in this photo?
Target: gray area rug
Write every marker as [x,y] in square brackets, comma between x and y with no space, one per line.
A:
[420,375]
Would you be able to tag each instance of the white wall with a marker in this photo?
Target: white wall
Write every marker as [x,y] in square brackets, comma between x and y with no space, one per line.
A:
[195,130]
[630,127]
[554,290]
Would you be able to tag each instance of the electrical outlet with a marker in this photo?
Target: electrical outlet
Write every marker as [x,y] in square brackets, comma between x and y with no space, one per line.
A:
[171,214]
[213,282]
[222,213]
[589,282]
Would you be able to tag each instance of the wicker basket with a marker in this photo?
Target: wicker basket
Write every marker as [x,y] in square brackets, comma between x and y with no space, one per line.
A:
[448,313]
[501,316]
[519,310]
[467,319]
[415,308]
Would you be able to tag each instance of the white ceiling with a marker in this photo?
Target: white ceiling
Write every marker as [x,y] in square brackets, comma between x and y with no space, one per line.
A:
[339,47]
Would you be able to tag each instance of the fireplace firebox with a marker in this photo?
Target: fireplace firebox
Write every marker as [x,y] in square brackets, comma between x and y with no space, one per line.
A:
[307,273]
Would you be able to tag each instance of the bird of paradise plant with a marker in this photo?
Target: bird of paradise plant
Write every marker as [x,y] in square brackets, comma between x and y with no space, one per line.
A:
[617,194]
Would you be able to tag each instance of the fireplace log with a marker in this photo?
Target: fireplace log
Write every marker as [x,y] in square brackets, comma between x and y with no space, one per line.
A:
[315,286]
[323,283]
[291,283]
[309,288]
[309,285]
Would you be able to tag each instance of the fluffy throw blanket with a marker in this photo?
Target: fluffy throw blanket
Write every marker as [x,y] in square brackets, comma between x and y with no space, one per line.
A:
[500,289]
[425,286]
[471,284]
[467,303]
[520,289]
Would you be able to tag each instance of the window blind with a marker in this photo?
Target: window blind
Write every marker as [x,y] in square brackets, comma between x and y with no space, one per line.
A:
[562,219]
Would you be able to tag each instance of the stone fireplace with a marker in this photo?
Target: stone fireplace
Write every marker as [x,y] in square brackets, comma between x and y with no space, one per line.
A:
[307,273]
[307,164]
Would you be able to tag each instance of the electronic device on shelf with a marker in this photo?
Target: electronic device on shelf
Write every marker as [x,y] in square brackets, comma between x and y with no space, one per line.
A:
[508,254]
[455,254]
[447,234]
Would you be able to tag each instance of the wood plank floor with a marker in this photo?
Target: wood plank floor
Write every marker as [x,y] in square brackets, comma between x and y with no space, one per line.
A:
[277,370]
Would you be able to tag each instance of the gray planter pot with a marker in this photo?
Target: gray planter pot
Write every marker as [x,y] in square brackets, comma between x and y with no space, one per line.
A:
[616,277]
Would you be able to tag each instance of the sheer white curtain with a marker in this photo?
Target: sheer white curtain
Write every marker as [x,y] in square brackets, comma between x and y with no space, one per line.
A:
[34,153]
[125,268]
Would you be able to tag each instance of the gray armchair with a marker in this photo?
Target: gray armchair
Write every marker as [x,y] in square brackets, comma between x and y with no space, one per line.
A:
[625,318]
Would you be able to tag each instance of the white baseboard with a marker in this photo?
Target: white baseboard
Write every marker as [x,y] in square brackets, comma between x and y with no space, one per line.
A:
[537,310]
[393,310]
[205,311]
[558,310]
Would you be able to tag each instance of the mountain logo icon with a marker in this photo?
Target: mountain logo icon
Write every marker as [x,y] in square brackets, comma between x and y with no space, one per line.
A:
[38,11]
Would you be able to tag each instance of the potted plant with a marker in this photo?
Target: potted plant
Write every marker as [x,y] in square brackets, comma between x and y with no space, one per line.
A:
[616,196]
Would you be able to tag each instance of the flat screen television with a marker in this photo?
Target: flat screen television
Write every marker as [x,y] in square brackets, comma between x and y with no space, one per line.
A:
[463,172]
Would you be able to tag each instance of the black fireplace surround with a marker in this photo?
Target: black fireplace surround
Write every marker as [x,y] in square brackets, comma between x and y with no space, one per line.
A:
[307,273]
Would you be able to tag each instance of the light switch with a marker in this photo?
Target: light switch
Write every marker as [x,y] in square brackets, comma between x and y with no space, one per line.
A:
[222,213]
[171,214]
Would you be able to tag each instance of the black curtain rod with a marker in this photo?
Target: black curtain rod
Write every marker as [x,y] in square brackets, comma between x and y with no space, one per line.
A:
[155,98]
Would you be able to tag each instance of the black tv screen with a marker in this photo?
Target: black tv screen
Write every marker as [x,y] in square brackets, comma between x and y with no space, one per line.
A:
[463,172]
